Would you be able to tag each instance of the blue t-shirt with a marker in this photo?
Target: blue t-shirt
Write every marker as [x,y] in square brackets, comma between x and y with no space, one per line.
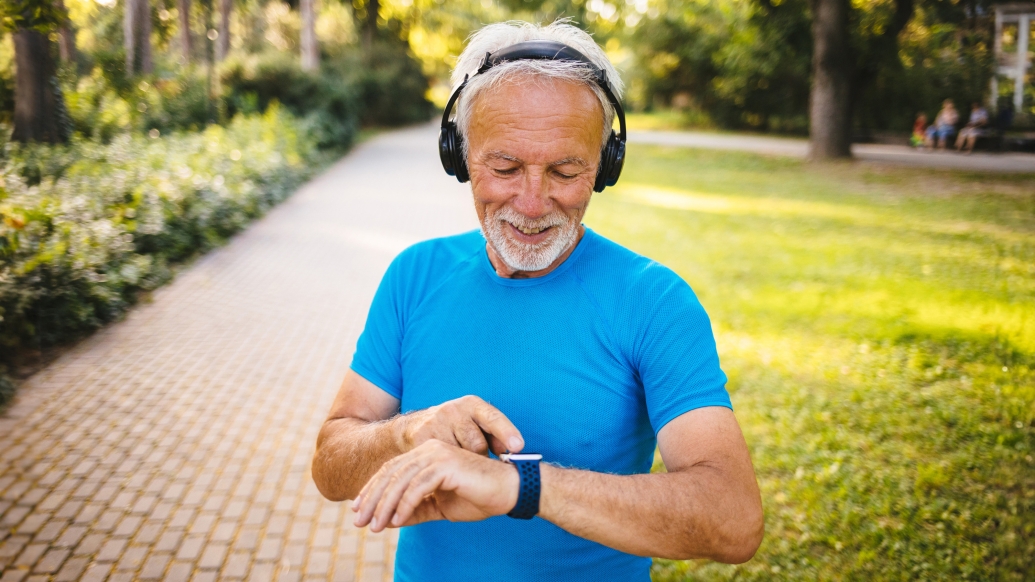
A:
[589,362]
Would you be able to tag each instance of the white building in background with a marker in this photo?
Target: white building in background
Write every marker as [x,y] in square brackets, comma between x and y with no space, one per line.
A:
[1014,48]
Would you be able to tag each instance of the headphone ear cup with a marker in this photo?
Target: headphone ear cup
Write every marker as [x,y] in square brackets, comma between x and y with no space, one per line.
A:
[612,158]
[451,152]
[617,161]
[459,160]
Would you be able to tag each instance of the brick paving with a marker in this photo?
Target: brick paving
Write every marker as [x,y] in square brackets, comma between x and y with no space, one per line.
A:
[175,445]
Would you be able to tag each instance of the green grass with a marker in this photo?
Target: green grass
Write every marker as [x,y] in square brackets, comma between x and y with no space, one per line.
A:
[878,328]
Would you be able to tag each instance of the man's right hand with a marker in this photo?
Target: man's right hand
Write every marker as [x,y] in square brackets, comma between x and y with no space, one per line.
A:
[365,429]
[468,422]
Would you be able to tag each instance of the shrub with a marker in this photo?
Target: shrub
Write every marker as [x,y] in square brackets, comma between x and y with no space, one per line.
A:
[101,109]
[384,87]
[390,83]
[85,227]
[327,102]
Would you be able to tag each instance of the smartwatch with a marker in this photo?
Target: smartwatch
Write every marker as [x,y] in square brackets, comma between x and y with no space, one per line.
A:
[527,465]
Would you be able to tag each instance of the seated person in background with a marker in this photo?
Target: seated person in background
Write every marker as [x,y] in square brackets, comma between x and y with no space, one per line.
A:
[944,125]
[919,137]
[974,129]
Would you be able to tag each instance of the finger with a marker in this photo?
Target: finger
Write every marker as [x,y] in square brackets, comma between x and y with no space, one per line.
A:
[427,510]
[498,446]
[494,422]
[471,437]
[397,485]
[419,488]
[371,492]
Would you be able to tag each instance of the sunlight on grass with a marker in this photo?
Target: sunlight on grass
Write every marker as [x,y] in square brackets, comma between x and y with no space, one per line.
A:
[878,329]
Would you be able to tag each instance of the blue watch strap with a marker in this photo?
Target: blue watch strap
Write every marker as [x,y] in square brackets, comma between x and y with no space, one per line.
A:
[528,493]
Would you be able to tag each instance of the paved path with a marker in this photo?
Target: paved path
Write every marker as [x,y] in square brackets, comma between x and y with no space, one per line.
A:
[176,444]
[888,154]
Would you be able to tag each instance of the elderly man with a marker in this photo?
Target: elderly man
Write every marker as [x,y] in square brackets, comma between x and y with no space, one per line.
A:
[536,335]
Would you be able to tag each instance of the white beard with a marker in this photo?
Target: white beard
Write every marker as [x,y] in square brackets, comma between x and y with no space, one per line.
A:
[524,257]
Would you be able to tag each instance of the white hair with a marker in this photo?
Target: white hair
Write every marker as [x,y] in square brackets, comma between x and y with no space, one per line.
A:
[497,36]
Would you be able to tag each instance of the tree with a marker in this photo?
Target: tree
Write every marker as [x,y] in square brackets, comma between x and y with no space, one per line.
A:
[851,46]
[39,109]
[223,40]
[136,29]
[830,102]
[370,22]
[310,45]
[183,7]
[66,36]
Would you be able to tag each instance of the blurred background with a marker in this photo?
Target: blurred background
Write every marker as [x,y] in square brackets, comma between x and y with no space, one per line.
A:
[877,321]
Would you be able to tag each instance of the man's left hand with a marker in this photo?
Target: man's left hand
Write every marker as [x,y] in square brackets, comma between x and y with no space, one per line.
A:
[436,481]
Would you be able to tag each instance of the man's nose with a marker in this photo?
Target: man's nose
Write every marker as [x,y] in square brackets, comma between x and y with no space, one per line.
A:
[533,200]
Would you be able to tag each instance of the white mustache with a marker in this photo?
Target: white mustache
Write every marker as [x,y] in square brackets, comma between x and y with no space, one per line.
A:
[507,214]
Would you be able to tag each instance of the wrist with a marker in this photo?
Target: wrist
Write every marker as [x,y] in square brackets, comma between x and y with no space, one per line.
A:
[548,506]
[530,485]
[400,433]
[512,487]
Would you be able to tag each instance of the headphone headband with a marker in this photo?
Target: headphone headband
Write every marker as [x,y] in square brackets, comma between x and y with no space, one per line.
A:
[546,50]
[613,156]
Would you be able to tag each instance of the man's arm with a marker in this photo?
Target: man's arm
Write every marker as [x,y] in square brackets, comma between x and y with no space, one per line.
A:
[364,430]
[707,505]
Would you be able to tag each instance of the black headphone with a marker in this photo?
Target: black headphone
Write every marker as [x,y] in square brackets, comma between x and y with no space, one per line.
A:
[612,157]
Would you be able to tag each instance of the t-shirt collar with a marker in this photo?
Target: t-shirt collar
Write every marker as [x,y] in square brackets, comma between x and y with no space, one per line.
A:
[585,241]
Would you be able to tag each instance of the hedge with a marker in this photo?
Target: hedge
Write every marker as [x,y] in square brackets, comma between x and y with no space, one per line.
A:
[85,228]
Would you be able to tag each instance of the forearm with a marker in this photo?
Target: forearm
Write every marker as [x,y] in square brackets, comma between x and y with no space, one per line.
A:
[687,514]
[349,451]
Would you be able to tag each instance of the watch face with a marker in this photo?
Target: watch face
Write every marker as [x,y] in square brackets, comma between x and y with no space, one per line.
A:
[511,457]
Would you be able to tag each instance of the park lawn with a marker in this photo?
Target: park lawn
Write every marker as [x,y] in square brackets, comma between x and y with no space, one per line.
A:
[878,328]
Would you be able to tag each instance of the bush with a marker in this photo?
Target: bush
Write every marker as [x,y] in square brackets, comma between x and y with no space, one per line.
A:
[383,88]
[85,227]
[327,102]
[390,83]
[101,109]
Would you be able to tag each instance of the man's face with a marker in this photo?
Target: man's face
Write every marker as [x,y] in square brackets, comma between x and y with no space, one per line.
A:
[534,148]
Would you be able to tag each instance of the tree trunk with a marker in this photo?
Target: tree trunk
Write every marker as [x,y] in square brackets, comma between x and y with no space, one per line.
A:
[310,47]
[129,34]
[144,40]
[830,107]
[183,7]
[223,40]
[136,30]
[66,37]
[370,26]
[37,105]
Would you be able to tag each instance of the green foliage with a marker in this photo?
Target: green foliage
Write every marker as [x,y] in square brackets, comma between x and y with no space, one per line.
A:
[389,82]
[936,61]
[102,109]
[743,67]
[876,327]
[40,15]
[766,71]
[384,87]
[747,63]
[84,228]
[327,102]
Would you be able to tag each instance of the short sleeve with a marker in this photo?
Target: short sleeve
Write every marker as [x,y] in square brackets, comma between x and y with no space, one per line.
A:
[378,351]
[675,354]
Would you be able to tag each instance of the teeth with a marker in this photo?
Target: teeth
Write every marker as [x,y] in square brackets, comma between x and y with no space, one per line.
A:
[530,230]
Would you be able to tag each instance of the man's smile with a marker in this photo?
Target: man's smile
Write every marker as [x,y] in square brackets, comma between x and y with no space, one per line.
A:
[528,234]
